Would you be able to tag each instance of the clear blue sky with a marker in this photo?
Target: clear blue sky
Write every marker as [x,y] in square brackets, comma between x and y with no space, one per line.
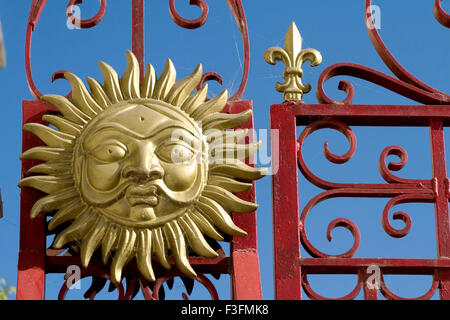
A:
[336,29]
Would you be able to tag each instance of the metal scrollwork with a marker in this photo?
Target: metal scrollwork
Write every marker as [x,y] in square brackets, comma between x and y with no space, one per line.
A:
[400,190]
[36,9]
[405,84]
[239,15]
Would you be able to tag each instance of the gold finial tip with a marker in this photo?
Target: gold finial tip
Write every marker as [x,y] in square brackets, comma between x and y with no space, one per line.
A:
[293,56]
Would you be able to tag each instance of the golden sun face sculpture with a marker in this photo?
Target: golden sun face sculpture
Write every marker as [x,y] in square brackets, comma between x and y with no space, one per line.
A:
[141,169]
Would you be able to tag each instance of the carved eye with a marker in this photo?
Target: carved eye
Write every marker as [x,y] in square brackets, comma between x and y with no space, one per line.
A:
[175,152]
[110,152]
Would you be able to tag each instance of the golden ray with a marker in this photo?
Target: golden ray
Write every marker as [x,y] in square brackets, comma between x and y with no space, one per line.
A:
[47,184]
[222,121]
[195,238]
[227,200]
[224,152]
[63,125]
[178,250]
[129,82]
[52,168]
[237,170]
[67,109]
[71,211]
[81,97]
[108,241]
[204,225]
[51,137]
[46,154]
[219,216]
[144,254]
[213,106]
[160,248]
[165,81]
[76,230]
[91,241]
[123,254]
[111,82]
[53,201]
[148,84]
[195,100]
[229,184]
[98,93]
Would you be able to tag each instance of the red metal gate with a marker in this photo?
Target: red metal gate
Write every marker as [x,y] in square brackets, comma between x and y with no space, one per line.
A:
[291,270]
[36,260]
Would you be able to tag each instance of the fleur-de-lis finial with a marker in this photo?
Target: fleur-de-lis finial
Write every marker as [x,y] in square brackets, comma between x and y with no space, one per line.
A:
[293,57]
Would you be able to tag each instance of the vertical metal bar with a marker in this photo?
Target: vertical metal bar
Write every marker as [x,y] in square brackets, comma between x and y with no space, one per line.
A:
[441,204]
[138,32]
[245,274]
[286,236]
[32,246]
[369,293]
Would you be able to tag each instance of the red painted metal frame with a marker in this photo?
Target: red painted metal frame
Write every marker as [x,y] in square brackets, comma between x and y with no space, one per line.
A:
[289,228]
[36,260]
[291,269]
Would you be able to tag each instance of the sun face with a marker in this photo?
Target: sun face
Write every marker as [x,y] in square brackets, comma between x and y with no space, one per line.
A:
[141,169]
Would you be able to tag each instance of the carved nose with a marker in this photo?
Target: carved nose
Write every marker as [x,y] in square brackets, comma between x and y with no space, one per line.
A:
[144,167]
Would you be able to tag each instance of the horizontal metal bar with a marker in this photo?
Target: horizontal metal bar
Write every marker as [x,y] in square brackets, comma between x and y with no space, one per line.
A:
[59,264]
[388,266]
[370,115]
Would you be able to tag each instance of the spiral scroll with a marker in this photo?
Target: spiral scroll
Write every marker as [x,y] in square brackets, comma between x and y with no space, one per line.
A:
[37,7]
[405,84]
[239,15]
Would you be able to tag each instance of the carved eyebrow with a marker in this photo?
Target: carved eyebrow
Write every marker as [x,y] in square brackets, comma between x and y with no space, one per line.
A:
[166,125]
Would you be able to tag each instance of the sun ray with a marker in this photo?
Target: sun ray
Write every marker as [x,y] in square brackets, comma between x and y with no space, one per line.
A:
[214,105]
[52,168]
[229,184]
[223,121]
[224,152]
[108,242]
[123,254]
[160,248]
[211,209]
[148,85]
[91,241]
[218,137]
[129,82]
[63,124]
[76,230]
[67,108]
[98,93]
[237,170]
[71,211]
[51,137]
[182,89]
[81,97]
[177,245]
[204,225]
[111,82]
[195,100]
[46,154]
[53,201]
[47,184]
[144,254]
[195,238]
[165,81]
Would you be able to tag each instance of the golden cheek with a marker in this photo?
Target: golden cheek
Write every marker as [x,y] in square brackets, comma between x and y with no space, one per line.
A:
[179,177]
[103,176]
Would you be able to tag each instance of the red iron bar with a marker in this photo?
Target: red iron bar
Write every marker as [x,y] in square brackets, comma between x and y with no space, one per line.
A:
[291,270]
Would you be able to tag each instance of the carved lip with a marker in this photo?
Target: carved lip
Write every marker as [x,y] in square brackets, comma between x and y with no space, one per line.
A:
[142,195]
